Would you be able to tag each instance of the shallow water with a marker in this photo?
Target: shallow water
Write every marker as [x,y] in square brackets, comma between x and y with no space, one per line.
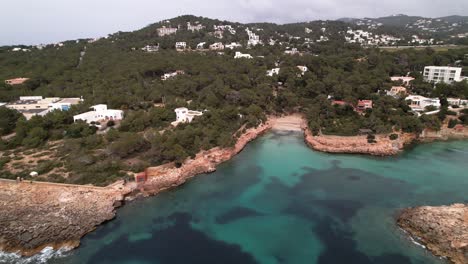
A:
[280,202]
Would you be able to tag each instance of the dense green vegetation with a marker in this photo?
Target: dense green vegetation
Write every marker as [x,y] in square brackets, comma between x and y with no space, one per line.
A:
[236,94]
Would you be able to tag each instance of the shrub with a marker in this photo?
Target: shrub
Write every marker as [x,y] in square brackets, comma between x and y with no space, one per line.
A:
[452,123]
[110,123]
[371,139]
[393,136]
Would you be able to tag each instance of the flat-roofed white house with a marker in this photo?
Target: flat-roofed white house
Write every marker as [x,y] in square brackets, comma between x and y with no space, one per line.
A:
[457,101]
[444,74]
[184,115]
[419,103]
[405,79]
[303,69]
[274,71]
[99,113]
[181,45]
[217,46]
[233,45]
[240,55]
[31,106]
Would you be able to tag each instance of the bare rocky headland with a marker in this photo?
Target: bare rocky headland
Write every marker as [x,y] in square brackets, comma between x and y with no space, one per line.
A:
[442,229]
[35,215]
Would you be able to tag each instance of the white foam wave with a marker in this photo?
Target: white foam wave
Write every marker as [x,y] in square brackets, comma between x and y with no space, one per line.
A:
[42,257]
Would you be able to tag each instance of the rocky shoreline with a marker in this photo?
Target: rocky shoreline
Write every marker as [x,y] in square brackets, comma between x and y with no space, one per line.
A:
[383,146]
[168,175]
[443,229]
[35,215]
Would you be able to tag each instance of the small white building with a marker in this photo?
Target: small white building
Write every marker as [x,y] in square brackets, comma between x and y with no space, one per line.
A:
[217,46]
[419,103]
[457,101]
[303,69]
[170,75]
[405,79]
[163,31]
[181,45]
[65,103]
[184,115]
[201,45]
[149,48]
[274,71]
[444,74]
[233,45]
[99,113]
[240,55]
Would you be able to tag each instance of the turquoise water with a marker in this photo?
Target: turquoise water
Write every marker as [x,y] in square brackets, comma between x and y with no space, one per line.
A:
[281,202]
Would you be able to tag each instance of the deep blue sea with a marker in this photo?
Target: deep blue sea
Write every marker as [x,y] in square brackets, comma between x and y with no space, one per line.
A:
[278,201]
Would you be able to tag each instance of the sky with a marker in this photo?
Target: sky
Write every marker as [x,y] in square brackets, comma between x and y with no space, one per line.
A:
[49,21]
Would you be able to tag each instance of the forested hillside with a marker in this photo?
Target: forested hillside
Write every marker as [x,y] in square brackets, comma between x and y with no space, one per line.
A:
[234,93]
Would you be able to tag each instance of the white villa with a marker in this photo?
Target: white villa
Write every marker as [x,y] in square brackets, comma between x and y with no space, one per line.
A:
[217,46]
[254,39]
[149,48]
[419,103]
[99,113]
[233,45]
[458,102]
[405,79]
[240,55]
[196,27]
[170,75]
[274,71]
[181,45]
[184,115]
[303,69]
[201,45]
[163,31]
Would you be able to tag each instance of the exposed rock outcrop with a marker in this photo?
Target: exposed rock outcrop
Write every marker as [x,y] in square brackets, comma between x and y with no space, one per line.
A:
[36,215]
[358,144]
[168,175]
[443,230]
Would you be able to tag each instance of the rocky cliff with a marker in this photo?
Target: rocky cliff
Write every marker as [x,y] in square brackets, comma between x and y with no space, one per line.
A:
[168,175]
[358,144]
[36,215]
[443,229]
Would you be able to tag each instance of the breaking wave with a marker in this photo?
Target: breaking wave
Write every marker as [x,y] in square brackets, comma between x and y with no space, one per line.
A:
[44,256]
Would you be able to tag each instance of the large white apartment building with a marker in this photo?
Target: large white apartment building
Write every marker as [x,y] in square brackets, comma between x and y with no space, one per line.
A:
[444,74]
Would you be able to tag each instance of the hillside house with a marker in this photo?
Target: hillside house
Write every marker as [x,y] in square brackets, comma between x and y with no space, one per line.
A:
[99,113]
[194,28]
[201,45]
[274,71]
[457,102]
[406,80]
[363,105]
[149,48]
[419,103]
[233,45]
[31,106]
[240,55]
[164,31]
[184,115]
[217,46]
[181,45]
[397,91]
[303,69]
[16,81]
[254,39]
[170,75]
